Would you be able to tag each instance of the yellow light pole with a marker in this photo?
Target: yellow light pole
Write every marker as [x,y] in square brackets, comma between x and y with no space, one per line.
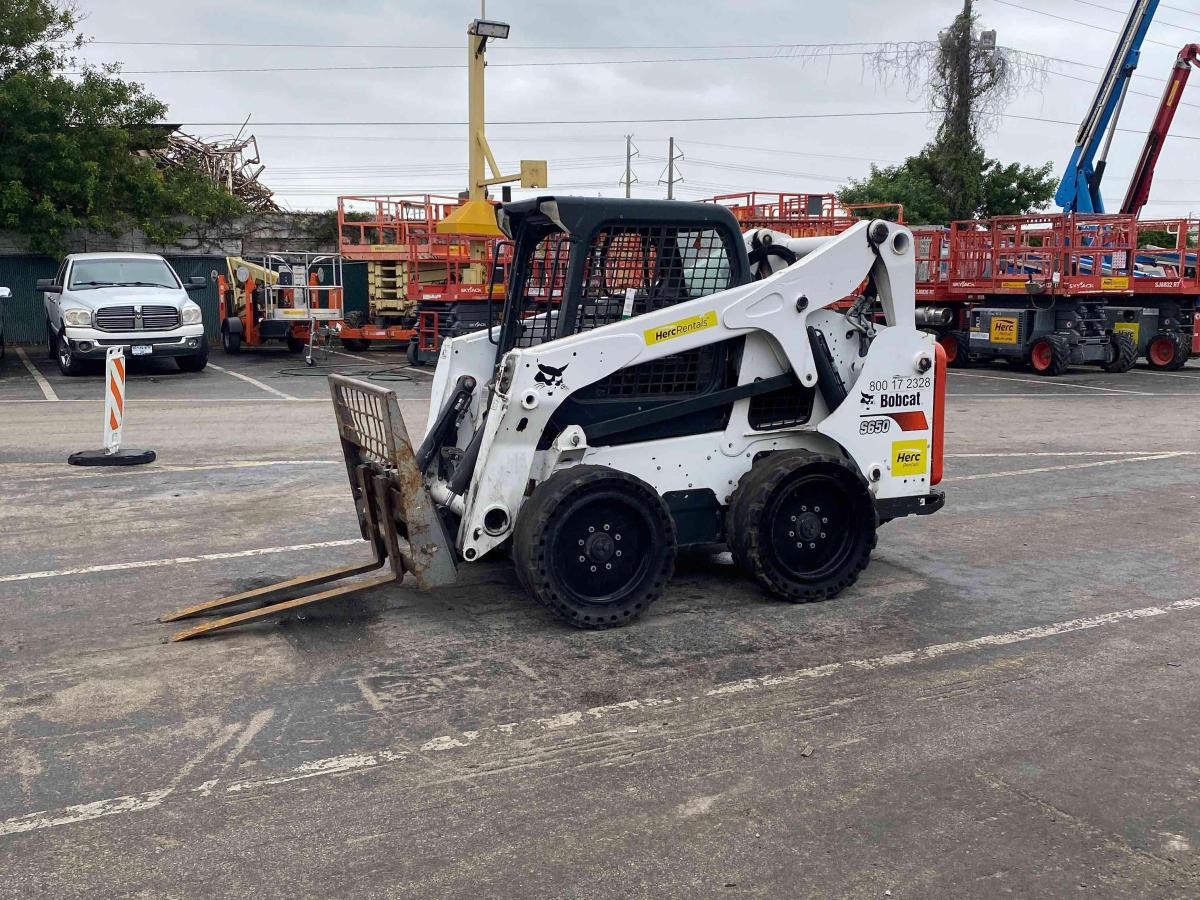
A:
[477,217]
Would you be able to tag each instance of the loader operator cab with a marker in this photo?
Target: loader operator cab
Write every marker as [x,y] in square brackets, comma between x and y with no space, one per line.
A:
[580,263]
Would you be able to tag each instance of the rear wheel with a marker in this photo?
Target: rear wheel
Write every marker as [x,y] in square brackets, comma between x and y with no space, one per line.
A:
[51,341]
[803,524]
[1122,352]
[295,345]
[231,342]
[1050,355]
[1168,351]
[194,363]
[413,354]
[595,546]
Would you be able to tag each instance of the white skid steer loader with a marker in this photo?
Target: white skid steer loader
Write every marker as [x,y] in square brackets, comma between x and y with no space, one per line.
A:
[655,380]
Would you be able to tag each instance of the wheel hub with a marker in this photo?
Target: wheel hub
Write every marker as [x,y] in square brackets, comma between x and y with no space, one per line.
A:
[809,526]
[599,547]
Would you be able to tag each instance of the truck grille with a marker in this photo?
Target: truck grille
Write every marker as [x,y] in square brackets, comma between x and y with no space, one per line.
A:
[124,318]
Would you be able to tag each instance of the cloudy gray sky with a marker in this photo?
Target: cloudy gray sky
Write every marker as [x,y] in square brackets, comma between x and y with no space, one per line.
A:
[570,61]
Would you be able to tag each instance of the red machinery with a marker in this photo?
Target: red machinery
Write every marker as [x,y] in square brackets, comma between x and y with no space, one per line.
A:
[1139,185]
[1148,288]
[800,215]
[422,286]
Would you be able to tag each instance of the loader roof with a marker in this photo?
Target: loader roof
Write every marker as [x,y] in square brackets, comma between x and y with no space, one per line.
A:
[579,215]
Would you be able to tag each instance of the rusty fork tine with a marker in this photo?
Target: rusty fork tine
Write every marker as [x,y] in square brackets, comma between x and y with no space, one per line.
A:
[278,587]
[281,607]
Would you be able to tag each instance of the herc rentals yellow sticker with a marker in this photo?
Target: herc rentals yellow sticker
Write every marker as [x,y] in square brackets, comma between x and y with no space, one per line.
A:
[678,329]
[1114,283]
[1133,329]
[909,457]
[1004,330]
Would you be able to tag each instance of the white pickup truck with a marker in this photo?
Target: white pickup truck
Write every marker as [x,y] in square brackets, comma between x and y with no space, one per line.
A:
[130,300]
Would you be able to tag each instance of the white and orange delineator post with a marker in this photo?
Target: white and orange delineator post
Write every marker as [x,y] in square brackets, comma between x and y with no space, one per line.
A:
[114,419]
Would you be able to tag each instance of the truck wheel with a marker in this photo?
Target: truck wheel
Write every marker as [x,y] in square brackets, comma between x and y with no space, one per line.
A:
[595,546]
[957,347]
[1050,355]
[68,363]
[295,345]
[1168,351]
[51,341]
[412,354]
[230,341]
[194,363]
[803,524]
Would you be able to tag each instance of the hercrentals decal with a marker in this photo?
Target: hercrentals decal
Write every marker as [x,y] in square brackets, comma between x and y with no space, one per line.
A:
[672,330]
[909,457]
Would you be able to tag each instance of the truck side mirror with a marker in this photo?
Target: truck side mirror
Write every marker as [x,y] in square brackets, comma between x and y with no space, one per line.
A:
[48,285]
[196,283]
[5,293]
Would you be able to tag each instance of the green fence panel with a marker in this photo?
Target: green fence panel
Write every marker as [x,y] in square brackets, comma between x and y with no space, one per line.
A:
[24,315]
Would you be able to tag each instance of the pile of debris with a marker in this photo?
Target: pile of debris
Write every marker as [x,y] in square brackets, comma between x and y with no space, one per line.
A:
[233,164]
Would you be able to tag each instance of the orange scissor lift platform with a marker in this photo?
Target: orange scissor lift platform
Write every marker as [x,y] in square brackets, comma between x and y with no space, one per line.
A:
[417,276]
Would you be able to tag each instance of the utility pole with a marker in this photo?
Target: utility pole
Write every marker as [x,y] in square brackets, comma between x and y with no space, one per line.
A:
[630,152]
[672,156]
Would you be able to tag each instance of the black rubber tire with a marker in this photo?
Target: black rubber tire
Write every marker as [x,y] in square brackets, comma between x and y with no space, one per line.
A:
[1124,353]
[231,342]
[356,344]
[295,345]
[72,365]
[1182,351]
[194,363]
[413,354]
[1060,355]
[546,533]
[962,356]
[756,502]
[51,341]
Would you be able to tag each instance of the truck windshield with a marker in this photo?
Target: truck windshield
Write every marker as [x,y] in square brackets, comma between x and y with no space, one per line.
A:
[92,273]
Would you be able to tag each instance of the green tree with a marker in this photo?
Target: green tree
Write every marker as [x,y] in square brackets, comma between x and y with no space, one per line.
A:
[69,142]
[952,177]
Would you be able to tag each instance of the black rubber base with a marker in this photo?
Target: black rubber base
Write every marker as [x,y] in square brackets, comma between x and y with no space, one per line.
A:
[120,458]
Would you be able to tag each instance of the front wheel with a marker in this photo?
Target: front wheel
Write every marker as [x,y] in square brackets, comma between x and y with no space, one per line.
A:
[68,363]
[231,342]
[803,524]
[194,363]
[1050,355]
[595,546]
[958,349]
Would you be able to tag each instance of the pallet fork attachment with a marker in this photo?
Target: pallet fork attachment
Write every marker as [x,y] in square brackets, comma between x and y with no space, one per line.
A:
[395,514]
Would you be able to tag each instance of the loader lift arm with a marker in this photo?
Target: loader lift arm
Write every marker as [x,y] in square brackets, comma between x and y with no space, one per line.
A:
[1143,175]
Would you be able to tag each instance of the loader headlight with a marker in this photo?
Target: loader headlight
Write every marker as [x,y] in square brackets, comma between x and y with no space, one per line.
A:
[78,317]
[191,314]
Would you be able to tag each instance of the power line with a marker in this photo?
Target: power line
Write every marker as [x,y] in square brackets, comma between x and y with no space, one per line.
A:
[381,124]
[1040,12]
[458,47]
[438,66]
[1121,12]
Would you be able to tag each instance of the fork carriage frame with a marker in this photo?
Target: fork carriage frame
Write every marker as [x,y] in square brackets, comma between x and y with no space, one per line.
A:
[396,516]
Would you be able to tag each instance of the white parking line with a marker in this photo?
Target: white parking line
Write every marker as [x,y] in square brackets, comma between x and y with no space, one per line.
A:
[1043,382]
[1087,465]
[1155,374]
[177,561]
[118,471]
[568,723]
[47,390]
[1007,453]
[253,381]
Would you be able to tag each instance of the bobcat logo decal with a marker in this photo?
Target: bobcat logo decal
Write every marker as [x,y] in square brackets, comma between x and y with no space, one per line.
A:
[866,399]
[550,377]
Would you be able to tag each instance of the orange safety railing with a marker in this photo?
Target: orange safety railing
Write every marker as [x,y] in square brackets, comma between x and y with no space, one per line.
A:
[800,215]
